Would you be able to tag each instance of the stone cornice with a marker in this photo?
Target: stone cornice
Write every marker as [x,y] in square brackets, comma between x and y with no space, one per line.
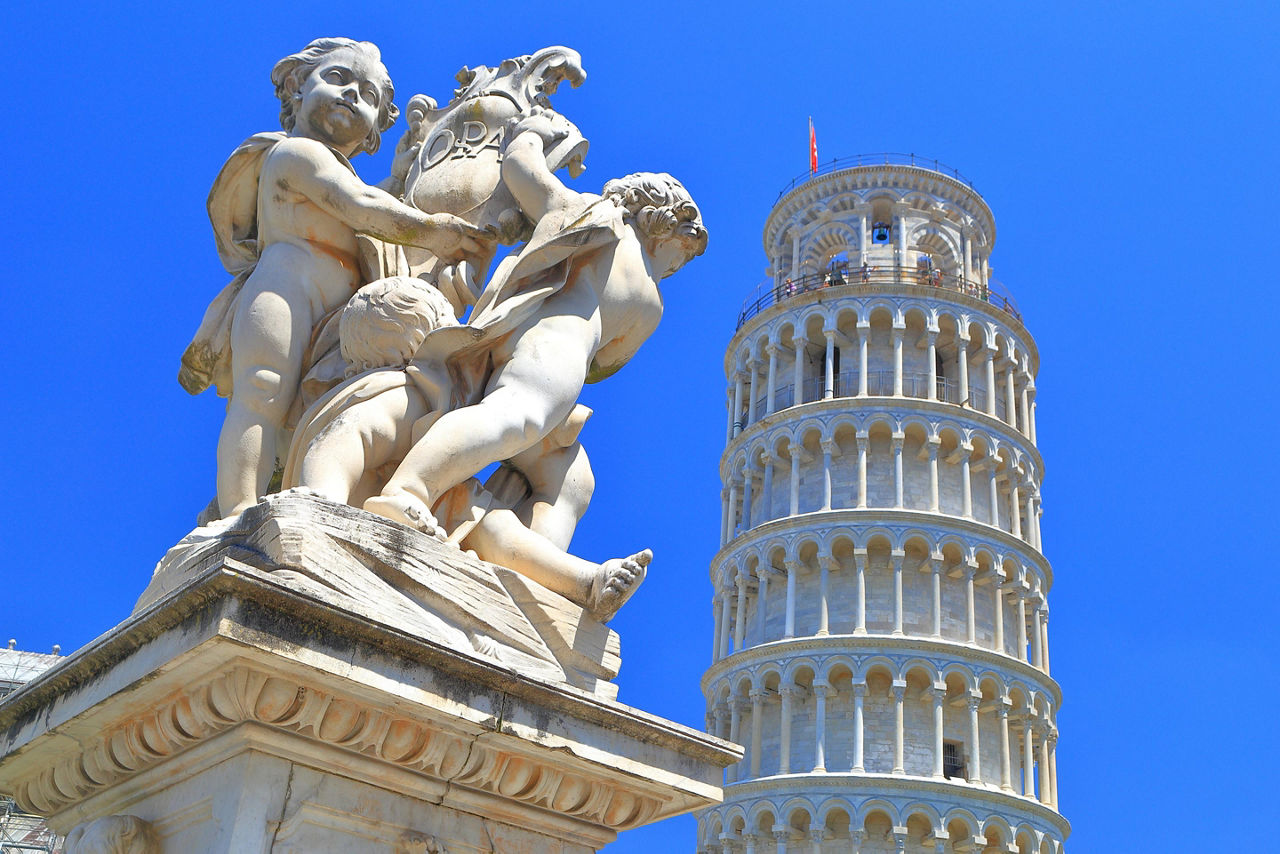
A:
[892,176]
[856,292]
[903,790]
[255,652]
[820,522]
[941,652]
[897,407]
[244,693]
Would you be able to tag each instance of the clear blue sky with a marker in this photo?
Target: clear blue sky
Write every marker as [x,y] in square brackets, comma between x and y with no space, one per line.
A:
[1129,152]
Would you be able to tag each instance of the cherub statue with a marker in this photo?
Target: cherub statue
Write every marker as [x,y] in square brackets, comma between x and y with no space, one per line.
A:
[286,209]
[572,306]
[522,518]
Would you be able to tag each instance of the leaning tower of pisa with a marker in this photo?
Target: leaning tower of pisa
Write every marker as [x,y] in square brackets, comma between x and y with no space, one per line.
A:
[881,594]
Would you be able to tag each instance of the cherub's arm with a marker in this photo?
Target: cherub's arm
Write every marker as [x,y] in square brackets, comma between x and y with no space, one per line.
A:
[524,170]
[310,168]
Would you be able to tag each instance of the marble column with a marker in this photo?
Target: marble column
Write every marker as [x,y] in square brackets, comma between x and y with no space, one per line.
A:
[898,333]
[859,734]
[788,694]
[899,487]
[864,355]
[896,558]
[757,708]
[820,689]
[975,740]
[1006,765]
[860,559]
[771,379]
[829,365]
[899,690]
[864,439]
[790,630]
[939,695]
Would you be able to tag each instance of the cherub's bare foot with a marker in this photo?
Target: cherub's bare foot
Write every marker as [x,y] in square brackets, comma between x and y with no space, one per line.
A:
[407,510]
[617,580]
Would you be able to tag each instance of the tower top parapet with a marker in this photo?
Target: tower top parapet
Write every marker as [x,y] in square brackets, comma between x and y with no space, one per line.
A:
[877,187]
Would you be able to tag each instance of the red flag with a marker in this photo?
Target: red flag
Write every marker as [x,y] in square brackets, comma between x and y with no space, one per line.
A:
[813,148]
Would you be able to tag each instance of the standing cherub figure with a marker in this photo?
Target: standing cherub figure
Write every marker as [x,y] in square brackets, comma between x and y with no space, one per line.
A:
[571,307]
[286,210]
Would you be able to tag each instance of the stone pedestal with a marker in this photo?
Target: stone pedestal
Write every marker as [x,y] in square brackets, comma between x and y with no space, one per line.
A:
[240,714]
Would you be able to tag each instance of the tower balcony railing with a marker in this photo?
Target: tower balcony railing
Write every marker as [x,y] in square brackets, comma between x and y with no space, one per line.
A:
[879,384]
[849,278]
[884,158]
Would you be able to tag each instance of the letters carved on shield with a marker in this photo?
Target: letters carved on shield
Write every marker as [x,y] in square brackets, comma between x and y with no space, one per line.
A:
[458,166]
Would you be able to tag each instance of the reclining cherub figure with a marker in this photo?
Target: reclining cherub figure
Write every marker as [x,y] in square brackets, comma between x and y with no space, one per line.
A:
[350,440]
[572,306]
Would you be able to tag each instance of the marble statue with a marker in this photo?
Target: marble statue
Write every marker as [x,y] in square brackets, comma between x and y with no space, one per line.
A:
[339,342]
[292,248]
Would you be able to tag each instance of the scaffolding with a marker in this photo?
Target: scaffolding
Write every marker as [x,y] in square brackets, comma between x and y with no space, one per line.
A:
[21,832]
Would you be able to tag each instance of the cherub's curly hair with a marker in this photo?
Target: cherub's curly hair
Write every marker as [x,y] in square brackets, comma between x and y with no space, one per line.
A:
[385,321]
[659,204]
[289,73]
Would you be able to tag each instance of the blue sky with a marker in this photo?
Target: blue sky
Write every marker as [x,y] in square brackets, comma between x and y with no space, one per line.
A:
[1129,152]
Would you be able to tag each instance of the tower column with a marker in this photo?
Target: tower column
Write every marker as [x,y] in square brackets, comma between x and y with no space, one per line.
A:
[970,616]
[962,369]
[897,359]
[748,496]
[820,689]
[797,371]
[990,364]
[966,484]
[795,452]
[752,415]
[737,404]
[1028,760]
[898,689]
[1045,796]
[864,346]
[725,617]
[860,559]
[1022,625]
[766,488]
[735,734]
[859,693]
[936,566]
[939,694]
[1006,772]
[824,564]
[757,707]
[898,484]
[790,630]
[1010,398]
[864,440]
[829,365]
[788,693]
[997,594]
[896,557]
[935,503]
[740,624]
[829,448]
[762,600]
[771,381]
[975,749]
[1037,639]
[932,392]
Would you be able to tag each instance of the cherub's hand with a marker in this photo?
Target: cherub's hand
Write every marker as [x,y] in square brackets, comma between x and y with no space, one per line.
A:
[406,152]
[452,238]
[549,125]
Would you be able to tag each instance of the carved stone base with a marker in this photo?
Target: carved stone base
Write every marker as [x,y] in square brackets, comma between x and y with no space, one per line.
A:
[240,715]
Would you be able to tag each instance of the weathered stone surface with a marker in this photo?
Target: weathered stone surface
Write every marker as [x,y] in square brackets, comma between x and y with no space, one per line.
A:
[240,714]
[406,580]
